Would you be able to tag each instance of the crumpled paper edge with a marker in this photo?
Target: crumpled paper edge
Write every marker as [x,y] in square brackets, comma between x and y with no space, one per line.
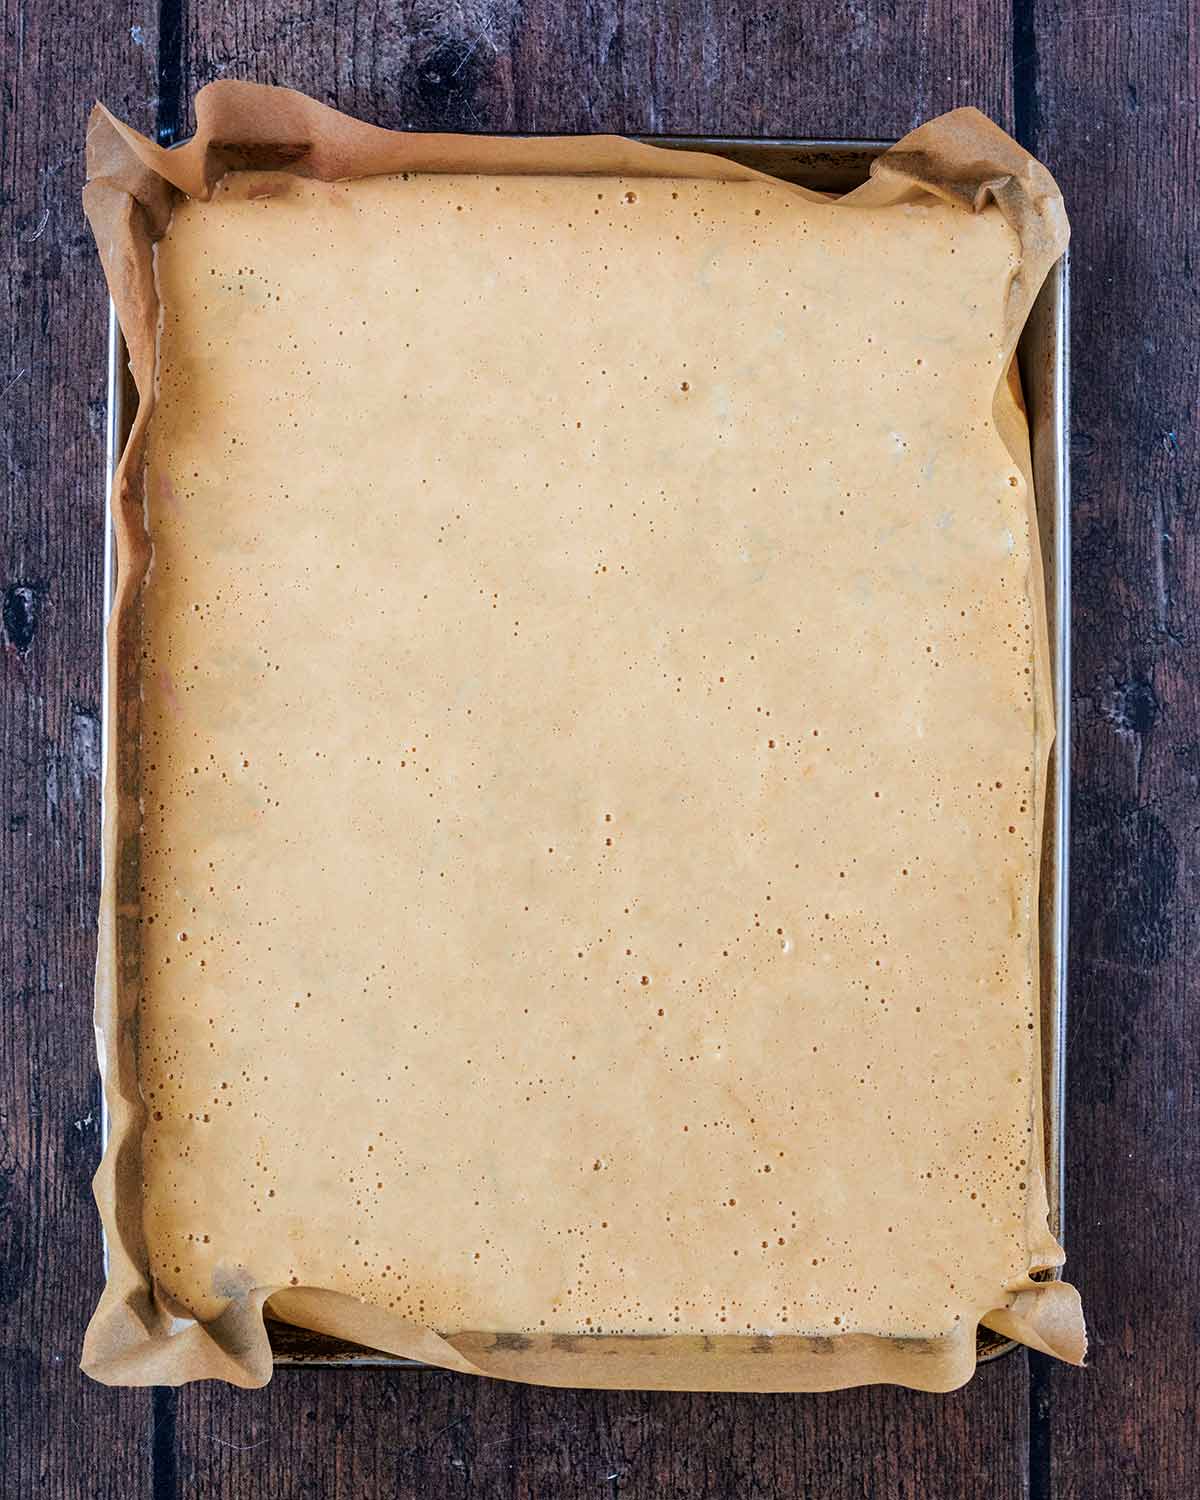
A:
[136,1337]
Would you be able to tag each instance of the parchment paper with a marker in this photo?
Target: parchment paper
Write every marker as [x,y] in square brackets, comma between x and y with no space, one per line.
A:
[144,1330]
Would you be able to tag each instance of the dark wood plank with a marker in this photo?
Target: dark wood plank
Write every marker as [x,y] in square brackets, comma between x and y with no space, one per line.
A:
[60,1435]
[761,69]
[431,1434]
[748,67]
[1113,106]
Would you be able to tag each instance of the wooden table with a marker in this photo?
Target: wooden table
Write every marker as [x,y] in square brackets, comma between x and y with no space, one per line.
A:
[1106,93]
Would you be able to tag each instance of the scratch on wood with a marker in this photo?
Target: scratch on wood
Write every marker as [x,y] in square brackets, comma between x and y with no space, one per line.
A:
[1162,569]
[85,750]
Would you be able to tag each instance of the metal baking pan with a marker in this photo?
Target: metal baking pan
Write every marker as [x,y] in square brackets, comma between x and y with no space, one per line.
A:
[835,166]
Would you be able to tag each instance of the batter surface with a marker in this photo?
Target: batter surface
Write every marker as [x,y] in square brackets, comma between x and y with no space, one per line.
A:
[590,743]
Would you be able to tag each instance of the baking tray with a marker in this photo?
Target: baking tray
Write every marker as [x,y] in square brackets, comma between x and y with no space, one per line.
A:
[832,166]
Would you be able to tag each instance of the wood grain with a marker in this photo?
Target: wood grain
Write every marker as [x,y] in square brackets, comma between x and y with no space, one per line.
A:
[1114,111]
[749,67]
[433,1434]
[59,1434]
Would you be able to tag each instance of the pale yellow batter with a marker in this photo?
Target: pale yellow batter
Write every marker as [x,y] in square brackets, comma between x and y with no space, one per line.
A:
[590,738]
